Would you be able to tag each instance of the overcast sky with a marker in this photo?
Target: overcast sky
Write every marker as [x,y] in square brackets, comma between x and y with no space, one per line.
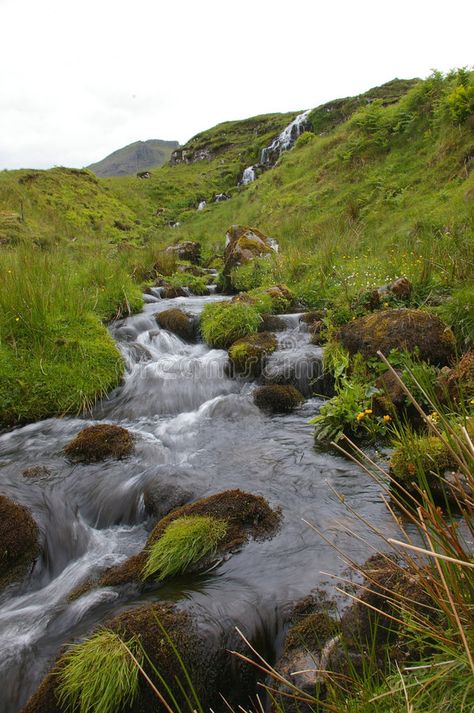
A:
[81,79]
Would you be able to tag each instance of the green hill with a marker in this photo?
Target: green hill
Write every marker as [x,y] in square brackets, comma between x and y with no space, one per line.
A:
[378,186]
[135,158]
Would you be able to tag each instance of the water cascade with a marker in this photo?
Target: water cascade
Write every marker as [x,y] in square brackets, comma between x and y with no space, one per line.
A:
[283,142]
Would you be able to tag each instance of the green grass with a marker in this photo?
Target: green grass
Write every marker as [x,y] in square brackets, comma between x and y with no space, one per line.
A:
[185,541]
[223,323]
[99,675]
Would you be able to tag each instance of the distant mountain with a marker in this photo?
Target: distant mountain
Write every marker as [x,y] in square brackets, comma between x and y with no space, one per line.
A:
[136,157]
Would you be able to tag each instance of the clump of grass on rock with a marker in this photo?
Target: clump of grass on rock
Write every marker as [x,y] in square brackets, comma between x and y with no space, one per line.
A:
[245,515]
[100,442]
[223,323]
[185,541]
[99,675]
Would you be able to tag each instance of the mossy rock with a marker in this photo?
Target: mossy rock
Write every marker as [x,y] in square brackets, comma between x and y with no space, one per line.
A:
[272,323]
[186,250]
[247,516]
[278,398]
[247,355]
[459,382]
[312,625]
[19,541]
[170,292]
[415,331]
[100,442]
[244,244]
[431,457]
[179,322]
[426,453]
[165,632]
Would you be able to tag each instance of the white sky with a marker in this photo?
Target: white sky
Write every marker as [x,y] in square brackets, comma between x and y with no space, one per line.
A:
[81,79]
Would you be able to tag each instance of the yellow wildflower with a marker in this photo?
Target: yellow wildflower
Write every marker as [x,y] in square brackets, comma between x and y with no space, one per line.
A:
[387,418]
[368,411]
[360,416]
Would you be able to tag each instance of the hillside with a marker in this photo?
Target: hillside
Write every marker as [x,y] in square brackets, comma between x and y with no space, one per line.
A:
[135,158]
[377,186]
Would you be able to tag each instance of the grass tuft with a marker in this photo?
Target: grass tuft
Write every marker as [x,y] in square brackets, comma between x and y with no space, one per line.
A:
[99,675]
[185,541]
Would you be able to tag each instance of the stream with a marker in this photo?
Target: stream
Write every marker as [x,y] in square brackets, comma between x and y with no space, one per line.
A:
[197,432]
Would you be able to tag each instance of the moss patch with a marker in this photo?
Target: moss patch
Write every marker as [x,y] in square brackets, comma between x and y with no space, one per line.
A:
[412,330]
[100,442]
[19,544]
[278,398]
[248,354]
[178,322]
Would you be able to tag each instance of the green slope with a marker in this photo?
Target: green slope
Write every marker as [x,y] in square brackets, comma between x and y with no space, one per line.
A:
[381,186]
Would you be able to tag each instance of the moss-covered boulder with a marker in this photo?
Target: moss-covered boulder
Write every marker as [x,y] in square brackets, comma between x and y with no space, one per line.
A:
[271,323]
[170,292]
[311,626]
[278,398]
[429,459]
[170,645]
[179,322]
[186,250]
[412,330]
[100,442]
[459,381]
[19,541]
[244,244]
[247,355]
[245,516]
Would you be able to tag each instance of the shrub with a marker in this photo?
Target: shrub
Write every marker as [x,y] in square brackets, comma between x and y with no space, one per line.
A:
[99,675]
[223,323]
[197,285]
[185,541]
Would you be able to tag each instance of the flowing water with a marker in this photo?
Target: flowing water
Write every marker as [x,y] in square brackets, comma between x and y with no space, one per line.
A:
[197,433]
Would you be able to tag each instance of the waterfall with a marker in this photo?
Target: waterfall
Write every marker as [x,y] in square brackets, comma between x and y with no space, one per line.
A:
[285,140]
[248,175]
[202,205]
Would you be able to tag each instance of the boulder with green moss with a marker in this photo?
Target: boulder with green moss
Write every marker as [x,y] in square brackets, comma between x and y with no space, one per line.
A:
[222,323]
[169,645]
[272,323]
[19,541]
[248,354]
[186,250]
[278,398]
[430,460]
[232,518]
[179,322]
[459,381]
[412,330]
[100,442]
[244,244]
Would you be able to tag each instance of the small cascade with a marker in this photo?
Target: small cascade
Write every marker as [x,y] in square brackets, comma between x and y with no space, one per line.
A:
[296,361]
[285,140]
[248,175]
[202,205]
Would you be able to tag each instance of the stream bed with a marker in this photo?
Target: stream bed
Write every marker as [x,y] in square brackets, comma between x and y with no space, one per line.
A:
[197,433]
